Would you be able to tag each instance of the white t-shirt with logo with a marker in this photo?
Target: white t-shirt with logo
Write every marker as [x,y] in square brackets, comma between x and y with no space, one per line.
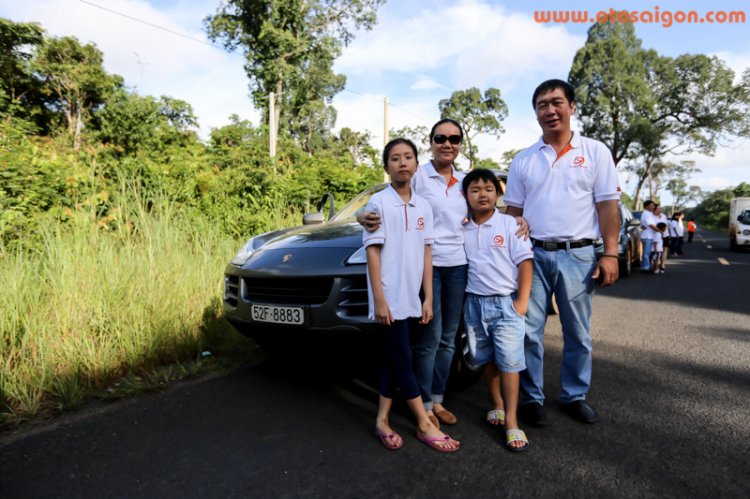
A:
[449,210]
[658,241]
[405,230]
[558,194]
[494,252]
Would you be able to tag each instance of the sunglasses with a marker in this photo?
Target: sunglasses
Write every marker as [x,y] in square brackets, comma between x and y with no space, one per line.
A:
[453,139]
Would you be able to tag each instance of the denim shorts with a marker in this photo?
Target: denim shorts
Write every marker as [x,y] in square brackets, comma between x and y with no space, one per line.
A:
[495,332]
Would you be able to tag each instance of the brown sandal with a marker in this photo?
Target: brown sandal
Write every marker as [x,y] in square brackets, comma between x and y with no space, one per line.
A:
[446,417]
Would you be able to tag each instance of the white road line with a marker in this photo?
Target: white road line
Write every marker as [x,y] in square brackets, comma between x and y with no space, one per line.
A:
[723,262]
[708,246]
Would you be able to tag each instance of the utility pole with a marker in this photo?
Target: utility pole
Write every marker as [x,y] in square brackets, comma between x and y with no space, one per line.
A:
[272,127]
[386,135]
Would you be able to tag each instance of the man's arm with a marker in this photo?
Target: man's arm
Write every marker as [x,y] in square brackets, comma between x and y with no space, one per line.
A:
[513,211]
[609,226]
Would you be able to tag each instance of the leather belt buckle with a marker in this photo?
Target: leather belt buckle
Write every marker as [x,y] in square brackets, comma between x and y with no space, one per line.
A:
[549,246]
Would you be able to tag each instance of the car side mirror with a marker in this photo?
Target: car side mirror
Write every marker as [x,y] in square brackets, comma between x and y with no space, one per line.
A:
[314,218]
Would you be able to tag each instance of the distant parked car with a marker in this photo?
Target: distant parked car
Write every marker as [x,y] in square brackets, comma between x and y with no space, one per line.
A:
[629,243]
[310,282]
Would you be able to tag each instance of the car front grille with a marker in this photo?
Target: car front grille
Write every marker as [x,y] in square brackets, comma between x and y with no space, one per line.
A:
[354,297]
[231,289]
[287,290]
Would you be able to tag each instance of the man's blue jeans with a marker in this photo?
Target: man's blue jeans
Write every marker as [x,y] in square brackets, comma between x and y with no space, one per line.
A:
[433,352]
[648,248]
[568,276]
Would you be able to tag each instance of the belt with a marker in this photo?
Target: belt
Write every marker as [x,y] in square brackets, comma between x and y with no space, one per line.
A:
[554,246]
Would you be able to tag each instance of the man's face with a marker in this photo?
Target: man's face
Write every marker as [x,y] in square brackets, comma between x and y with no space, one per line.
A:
[650,207]
[553,111]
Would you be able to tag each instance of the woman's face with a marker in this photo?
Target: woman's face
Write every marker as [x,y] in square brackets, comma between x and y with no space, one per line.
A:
[445,152]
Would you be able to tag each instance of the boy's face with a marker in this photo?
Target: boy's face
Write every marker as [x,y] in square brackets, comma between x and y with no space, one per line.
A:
[482,196]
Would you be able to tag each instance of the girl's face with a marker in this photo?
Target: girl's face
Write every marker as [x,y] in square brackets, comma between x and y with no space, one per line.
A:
[445,152]
[402,163]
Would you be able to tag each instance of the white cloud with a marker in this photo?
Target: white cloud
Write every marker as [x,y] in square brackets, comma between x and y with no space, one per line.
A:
[425,83]
[737,61]
[472,43]
[711,183]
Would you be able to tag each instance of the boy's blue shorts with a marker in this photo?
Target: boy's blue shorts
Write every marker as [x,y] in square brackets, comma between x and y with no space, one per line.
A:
[495,332]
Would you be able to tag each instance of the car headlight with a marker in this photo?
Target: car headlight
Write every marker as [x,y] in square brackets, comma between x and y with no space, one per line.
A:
[358,257]
[244,253]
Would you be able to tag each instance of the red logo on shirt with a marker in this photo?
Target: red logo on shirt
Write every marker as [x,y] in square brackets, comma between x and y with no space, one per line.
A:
[420,224]
[460,193]
[499,242]
[579,162]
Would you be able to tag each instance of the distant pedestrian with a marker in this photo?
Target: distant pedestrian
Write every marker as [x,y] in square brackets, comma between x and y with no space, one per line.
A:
[656,255]
[675,234]
[648,225]
[691,230]
[661,218]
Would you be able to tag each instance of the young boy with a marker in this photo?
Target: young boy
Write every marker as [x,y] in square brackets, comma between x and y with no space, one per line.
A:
[658,248]
[399,263]
[498,287]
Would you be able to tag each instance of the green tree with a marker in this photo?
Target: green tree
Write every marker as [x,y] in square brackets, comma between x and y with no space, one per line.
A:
[20,95]
[742,190]
[420,135]
[643,105]
[281,38]
[74,75]
[508,157]
[135,123]
[476,114]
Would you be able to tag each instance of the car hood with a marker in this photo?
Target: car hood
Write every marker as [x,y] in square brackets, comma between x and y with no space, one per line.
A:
[344,234]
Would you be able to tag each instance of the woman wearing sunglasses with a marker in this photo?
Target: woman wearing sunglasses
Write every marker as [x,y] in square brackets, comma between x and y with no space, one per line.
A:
[438,182]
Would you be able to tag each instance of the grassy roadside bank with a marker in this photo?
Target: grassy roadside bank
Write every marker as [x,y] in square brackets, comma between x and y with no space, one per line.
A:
[133,298]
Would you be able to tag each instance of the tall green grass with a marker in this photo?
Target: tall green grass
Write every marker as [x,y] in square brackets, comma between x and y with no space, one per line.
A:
[110,295]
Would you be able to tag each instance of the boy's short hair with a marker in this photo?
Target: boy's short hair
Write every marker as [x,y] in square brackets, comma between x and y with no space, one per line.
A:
[661,225]
[479,174]
[551,85]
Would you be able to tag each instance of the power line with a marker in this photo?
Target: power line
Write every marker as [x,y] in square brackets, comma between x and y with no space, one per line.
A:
[152,25]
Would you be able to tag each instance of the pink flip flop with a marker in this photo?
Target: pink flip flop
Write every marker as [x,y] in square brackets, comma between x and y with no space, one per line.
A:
[383,436]
[429,441]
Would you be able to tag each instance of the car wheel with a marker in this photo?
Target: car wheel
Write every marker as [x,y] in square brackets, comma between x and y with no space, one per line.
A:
[463,374]
[626,264]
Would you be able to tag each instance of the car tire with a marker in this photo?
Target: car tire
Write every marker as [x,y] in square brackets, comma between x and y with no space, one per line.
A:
[463,375]
[626,263]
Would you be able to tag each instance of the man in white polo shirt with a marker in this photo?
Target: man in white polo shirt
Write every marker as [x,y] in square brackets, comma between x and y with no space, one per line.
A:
[648,225]
[566,187]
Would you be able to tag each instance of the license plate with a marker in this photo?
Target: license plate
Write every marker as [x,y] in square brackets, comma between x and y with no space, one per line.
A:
[279,315]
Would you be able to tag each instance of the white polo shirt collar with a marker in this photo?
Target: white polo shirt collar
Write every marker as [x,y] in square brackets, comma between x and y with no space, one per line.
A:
[449,210]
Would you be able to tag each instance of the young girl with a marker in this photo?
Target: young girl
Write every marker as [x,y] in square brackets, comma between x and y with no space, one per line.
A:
[399,263]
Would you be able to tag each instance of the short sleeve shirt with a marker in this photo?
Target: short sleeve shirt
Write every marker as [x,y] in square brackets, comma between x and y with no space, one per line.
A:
[449,210]
[494,252]
[658,241]
[405,230]
[647,220]
[558,194]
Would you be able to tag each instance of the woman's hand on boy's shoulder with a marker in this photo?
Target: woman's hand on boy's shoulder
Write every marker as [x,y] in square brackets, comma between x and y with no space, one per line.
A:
[369,220]
[523,228]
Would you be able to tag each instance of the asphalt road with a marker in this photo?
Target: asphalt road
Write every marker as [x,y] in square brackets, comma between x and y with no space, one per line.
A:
[671,384]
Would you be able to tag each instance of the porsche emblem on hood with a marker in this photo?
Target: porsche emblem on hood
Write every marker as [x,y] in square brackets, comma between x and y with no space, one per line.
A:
[286,257]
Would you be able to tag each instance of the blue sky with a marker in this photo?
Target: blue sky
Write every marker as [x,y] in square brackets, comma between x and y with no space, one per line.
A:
[420,52]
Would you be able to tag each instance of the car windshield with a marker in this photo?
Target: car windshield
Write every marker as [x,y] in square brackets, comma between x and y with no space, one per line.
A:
[357,204]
